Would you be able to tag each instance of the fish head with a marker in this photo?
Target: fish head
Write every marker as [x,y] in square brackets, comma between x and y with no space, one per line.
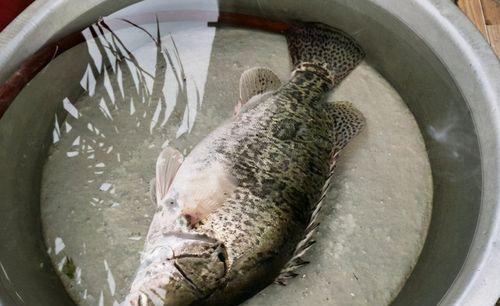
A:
[190,269]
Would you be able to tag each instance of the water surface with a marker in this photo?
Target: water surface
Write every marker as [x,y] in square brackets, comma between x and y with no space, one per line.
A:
[141,93]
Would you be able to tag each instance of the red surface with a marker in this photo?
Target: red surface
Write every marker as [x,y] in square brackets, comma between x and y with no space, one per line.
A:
[9,9]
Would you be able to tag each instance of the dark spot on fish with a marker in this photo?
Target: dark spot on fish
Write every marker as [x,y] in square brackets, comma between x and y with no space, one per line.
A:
[221,256]
[287,129]
[188,218]
[285,164]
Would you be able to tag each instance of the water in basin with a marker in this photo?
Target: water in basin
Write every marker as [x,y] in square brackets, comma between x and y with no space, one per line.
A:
[95,202]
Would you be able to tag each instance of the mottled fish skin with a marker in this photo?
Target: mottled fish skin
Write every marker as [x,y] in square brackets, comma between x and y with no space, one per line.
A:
[268,165]
[280,154]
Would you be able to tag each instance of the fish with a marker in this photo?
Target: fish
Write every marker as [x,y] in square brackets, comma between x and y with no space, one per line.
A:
[238,213]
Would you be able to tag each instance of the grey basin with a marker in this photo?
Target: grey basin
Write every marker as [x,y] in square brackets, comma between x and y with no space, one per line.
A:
[427,49]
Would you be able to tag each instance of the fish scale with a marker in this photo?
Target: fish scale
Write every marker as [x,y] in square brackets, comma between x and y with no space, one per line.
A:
[283,207]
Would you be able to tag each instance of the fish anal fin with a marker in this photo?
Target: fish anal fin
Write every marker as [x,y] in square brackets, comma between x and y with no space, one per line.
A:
[167,164]
[348,123]
[297,261]
[256,81]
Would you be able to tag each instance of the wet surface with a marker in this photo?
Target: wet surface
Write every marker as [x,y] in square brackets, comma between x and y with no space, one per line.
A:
[95,191]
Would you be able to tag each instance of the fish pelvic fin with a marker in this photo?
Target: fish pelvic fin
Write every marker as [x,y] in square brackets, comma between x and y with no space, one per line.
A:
[327,47]
[256,81]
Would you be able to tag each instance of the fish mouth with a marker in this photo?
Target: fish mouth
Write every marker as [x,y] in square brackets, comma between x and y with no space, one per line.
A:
[189,263]
[170,288]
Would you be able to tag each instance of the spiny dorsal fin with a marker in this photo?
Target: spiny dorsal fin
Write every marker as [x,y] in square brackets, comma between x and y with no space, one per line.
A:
[167,164]
[348,123]
[256,81]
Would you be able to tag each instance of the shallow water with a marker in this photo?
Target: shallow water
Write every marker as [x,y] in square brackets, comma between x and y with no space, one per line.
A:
[95,192]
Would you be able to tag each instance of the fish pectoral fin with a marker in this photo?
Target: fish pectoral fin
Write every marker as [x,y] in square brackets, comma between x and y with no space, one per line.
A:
[256,81]
[206,191]
[348,122]
[167,164]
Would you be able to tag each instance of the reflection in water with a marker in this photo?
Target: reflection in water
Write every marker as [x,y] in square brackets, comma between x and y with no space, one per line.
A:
[4,272]
[147,93]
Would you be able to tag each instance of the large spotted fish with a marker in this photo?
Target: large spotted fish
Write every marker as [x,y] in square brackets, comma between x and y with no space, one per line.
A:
[238,212]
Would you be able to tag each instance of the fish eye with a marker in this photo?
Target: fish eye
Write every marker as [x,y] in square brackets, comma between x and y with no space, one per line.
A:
[169,201]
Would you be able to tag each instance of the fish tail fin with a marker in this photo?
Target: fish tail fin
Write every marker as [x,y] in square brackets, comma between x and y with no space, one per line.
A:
[324,46]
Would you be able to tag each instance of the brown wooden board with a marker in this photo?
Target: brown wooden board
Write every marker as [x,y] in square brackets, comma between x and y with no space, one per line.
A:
[491,9]
[474,10]
[485,14]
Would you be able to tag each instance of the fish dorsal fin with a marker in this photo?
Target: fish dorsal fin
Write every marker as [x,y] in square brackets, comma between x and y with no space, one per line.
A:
[256,81]
[167,164]
[348,123]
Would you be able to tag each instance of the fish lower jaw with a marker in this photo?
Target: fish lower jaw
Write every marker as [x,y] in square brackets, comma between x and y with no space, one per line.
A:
[166,287]
[177,266]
